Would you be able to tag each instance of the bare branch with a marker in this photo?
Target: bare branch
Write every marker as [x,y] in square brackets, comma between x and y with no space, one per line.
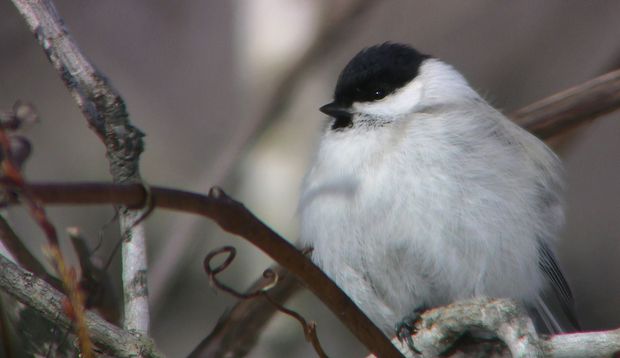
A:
[272,278]
[134,264]
[105,111]
[35,293]
[101,105]
[439,328]
[586,344]
[233,217]
[556,114]
[238,329]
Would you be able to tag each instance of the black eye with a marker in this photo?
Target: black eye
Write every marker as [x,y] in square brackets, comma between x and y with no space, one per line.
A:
[378,93]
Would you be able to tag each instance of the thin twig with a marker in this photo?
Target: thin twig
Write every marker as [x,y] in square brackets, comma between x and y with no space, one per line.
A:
[212,273]
[308,327]
[229,338]
[48,302]
[272,281]
[105,112]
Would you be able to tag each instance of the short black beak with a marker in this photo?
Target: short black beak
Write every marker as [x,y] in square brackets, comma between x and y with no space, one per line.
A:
[335,110]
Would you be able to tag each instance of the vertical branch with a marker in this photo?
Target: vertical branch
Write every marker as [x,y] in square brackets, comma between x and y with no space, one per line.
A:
[105,112]
[135,294]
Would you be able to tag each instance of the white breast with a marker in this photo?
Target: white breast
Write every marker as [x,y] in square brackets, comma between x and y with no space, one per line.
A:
[418,213]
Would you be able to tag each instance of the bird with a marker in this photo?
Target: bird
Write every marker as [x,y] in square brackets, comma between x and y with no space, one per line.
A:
[421,193]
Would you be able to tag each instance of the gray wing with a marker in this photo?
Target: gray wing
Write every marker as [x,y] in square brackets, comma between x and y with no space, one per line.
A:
[548,265]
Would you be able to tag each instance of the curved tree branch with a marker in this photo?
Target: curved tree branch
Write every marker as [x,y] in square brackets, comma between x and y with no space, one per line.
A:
[441,327]
[233,217]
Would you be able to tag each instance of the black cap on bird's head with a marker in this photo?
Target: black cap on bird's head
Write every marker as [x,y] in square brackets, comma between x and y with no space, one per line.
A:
[374,73]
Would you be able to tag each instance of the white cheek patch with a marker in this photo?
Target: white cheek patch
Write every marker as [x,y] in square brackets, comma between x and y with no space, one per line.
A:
[398,103]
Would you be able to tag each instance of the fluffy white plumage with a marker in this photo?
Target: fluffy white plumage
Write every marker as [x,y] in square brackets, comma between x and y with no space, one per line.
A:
[431,196]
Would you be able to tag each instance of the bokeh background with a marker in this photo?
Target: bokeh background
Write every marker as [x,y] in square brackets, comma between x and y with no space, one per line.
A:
[201,79]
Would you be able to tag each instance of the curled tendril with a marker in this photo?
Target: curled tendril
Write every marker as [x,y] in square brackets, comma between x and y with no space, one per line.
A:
[212,271]
[270,275]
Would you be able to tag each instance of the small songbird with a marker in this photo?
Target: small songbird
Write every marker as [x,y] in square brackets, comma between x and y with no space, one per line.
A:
[422,194]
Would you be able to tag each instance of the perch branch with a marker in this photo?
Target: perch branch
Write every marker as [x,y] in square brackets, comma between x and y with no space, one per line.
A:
[439,328]
[37,294]
[105,112]
[586,344]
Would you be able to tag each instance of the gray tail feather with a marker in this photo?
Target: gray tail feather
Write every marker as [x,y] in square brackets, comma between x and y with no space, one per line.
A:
[544,319]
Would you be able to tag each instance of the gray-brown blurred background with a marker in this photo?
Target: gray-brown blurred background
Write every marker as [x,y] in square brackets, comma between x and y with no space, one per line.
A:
[198,75]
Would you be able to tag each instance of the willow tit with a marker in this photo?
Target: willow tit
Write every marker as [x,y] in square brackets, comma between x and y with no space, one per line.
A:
[422,194]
